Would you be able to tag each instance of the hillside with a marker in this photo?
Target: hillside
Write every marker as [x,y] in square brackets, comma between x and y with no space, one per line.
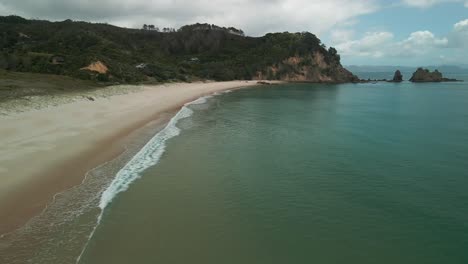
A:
[107,53]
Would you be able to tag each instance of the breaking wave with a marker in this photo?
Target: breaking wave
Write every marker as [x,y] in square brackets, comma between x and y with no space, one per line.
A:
[147,157]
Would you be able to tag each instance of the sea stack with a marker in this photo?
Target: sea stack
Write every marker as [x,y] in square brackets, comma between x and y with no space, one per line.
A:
[398,77]
[424,75]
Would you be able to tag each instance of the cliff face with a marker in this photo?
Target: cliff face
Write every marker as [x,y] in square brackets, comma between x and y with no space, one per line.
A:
[314,67]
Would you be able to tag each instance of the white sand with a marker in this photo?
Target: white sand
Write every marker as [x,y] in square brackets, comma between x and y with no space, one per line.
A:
[34,142]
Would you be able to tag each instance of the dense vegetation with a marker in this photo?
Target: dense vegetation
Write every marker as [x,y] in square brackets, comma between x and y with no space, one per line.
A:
[199,51]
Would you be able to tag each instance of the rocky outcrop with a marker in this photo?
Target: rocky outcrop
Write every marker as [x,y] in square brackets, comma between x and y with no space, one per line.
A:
[424,75]
[97,66]
[314,68]
[397,77]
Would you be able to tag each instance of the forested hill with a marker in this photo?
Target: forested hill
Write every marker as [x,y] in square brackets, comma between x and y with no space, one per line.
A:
[108,53]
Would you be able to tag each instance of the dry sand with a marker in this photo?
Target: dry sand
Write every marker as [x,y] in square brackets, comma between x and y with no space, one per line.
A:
[49,150]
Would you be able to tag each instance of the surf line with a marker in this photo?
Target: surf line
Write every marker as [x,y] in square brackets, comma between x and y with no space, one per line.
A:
[147,157]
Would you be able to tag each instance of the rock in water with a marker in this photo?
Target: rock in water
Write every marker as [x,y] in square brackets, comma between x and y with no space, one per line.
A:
[424,75]
[398,77]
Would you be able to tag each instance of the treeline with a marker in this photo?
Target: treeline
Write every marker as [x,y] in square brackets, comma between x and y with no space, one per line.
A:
[153,27]
[199,51]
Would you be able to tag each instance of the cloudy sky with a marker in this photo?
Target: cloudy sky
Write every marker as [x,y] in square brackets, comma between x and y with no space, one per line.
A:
[366,32]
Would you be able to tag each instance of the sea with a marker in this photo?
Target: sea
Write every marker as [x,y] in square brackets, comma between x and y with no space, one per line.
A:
[291,173]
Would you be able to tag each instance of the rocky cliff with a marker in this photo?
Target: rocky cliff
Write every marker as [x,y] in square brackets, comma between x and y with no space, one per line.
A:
[314,67]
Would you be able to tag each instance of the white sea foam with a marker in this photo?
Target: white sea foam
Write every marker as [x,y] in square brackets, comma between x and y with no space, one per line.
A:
[222,92]
[148,156]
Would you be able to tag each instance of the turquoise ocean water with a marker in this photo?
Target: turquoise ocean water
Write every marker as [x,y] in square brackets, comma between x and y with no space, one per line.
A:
[294,173]
[299,173]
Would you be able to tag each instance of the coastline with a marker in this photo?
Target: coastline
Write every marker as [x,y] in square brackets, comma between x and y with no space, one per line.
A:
[50,150]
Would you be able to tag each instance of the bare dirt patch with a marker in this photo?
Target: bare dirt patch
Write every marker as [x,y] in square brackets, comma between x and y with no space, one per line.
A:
[97,66]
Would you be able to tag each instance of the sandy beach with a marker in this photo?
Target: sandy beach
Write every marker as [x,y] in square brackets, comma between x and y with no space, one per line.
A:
[45,151]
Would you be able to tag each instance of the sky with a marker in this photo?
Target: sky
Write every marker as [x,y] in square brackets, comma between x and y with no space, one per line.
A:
[365,32]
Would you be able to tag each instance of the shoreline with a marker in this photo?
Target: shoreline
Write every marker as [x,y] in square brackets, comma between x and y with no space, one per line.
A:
[42,146]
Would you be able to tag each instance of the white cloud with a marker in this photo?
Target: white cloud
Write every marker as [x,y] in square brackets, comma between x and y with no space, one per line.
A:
[3,9]
[417,46]
[429,3]
[421,3]
[419,43]
[459,36]
[369,46]
[382,44]
[341,35]
[254,16]
[461,26]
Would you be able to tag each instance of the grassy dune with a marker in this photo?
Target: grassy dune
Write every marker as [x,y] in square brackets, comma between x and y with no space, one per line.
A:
[21,92]
[15,85]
